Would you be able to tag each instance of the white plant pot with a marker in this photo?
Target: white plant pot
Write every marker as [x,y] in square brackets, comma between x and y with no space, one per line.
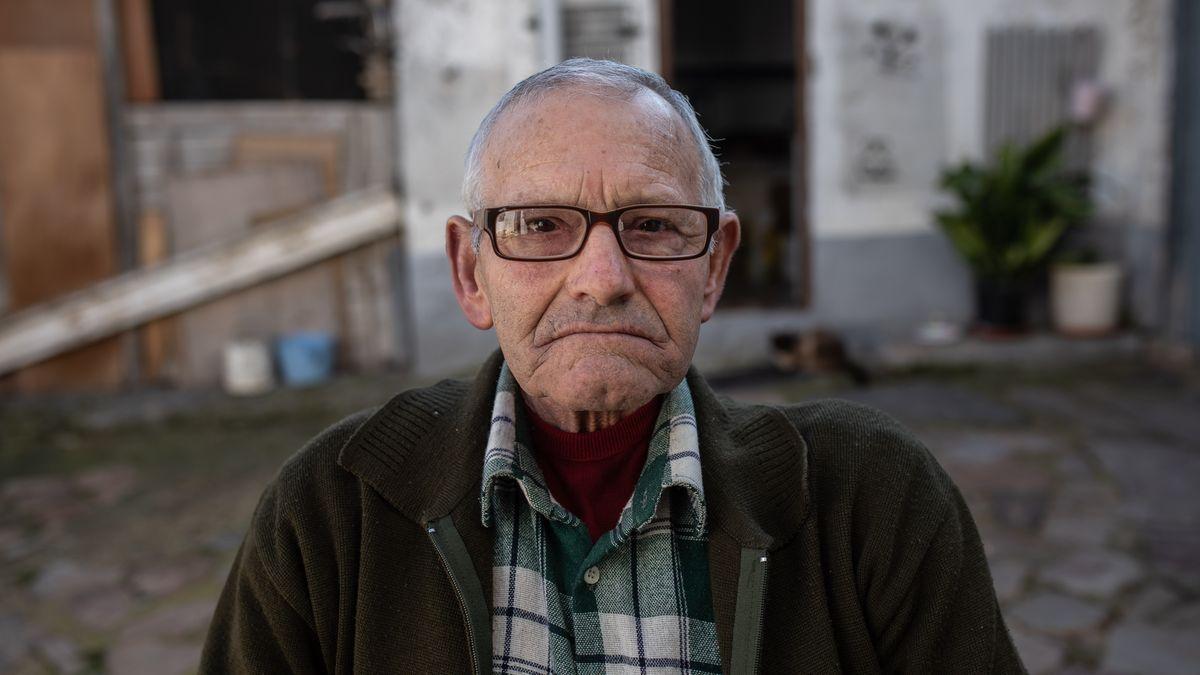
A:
[1085,299]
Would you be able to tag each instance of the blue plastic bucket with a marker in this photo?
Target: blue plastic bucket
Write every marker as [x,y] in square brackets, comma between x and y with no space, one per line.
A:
[305,358]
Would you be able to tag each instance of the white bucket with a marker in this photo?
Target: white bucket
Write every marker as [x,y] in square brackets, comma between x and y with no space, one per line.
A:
[248,368]
[1085,299]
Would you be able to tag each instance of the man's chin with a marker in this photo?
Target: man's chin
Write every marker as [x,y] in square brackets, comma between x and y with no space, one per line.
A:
[603,382]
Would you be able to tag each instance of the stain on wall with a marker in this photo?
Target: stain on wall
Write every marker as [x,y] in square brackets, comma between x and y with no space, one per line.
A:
[890,108]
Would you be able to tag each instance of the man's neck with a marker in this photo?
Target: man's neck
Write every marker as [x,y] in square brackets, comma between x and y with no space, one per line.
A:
[577,421]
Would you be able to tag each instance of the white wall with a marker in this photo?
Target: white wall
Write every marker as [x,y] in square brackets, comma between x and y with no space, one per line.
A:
[878,261]
[454,61]
[1130,165]
[1131,141]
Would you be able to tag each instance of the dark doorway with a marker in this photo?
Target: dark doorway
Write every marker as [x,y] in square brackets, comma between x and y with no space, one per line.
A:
[736,62]
[266,49]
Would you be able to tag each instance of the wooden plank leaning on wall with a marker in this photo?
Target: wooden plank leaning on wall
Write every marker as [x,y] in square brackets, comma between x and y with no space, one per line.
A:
[247,260]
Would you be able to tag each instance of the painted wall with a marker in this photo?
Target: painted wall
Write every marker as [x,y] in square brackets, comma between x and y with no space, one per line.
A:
[879,266]
[454,61]
[1131,141]
[944,123]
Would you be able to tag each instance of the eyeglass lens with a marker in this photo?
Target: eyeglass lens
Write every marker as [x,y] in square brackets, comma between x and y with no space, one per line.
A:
[549,232]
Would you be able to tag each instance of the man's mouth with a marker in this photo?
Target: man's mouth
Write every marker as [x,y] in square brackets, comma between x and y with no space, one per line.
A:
[598,329]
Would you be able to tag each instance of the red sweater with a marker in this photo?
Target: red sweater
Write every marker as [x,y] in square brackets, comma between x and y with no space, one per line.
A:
[593,474]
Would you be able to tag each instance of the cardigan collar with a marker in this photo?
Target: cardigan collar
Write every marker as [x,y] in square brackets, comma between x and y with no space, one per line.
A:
[423,452]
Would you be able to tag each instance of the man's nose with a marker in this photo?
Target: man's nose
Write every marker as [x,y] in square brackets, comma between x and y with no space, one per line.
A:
[601,271]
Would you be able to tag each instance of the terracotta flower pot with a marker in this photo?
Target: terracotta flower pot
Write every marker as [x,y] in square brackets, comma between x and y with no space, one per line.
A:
[1085,299]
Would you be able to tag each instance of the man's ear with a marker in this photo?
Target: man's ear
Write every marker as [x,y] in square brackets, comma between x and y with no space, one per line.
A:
[464,266]
[725,242]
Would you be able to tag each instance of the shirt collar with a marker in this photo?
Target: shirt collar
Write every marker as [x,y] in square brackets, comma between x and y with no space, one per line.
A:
[672,460]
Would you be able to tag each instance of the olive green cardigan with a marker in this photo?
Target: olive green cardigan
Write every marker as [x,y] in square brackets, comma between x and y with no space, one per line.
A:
[837,544]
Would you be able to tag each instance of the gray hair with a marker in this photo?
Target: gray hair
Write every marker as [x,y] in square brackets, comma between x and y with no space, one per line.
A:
[626,81]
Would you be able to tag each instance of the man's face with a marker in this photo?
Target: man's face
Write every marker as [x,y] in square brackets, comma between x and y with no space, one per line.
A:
[597,332]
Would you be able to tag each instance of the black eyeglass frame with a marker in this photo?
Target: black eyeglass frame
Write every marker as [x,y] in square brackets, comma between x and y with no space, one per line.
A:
[711,213]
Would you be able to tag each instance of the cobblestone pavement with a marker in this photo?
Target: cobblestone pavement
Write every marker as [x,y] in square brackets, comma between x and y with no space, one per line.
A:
[119,517]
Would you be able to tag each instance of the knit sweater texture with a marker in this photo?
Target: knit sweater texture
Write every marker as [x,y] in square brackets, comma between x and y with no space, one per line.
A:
[875,562]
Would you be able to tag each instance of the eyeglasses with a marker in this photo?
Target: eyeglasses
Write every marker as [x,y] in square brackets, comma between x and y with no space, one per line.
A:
[643,231]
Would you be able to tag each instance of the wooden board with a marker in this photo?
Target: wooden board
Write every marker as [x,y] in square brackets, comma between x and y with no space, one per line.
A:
[198,276]
[222,205]
[43,23]
[229,204]
[56,196]
[370,340]
[159,339]
[53,175]
[138,51]
[323,149]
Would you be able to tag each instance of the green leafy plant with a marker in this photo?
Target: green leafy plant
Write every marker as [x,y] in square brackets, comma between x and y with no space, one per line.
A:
[1012,213]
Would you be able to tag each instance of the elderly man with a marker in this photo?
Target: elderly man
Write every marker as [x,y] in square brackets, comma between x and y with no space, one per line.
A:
[587,504]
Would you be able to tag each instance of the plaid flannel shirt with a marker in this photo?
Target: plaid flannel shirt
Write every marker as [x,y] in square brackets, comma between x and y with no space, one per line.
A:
[638,599]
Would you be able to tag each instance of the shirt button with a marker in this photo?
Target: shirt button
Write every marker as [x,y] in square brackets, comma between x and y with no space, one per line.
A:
[592,575]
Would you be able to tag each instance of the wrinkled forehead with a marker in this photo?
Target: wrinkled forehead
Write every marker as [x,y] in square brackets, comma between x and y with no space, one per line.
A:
[591,147]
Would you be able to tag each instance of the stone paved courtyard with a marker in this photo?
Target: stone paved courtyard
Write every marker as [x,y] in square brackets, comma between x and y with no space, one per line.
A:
[119,516]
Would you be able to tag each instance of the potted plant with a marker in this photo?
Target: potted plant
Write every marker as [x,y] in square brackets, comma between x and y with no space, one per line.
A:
[1009,217]
[1085,293]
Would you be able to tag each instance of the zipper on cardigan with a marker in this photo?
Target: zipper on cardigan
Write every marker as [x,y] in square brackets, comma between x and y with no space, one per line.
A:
[762,609]
[749,612]
[433,528]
